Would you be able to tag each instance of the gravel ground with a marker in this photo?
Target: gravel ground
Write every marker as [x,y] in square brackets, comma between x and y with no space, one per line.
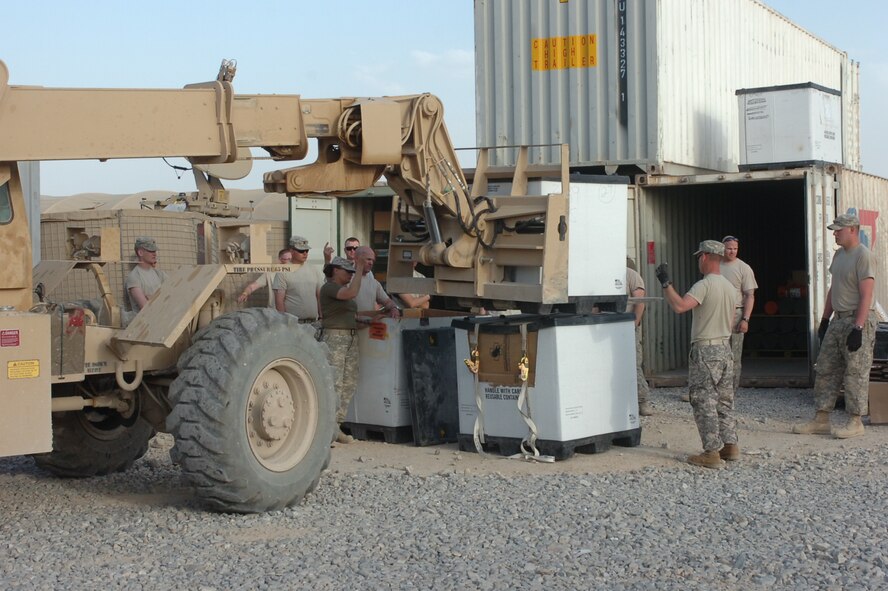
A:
[803,517]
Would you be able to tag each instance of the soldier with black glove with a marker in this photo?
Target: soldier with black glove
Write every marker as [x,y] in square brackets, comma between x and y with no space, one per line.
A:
[710,362]
[847,332]
[663,275]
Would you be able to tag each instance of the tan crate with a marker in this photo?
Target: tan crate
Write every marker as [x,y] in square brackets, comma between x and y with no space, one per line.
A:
[878,403]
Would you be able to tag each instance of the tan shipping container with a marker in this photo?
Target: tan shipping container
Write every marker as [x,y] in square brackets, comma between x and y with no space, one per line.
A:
[781,219]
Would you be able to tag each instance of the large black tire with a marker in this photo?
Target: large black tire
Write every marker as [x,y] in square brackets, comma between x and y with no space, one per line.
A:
[94,443]
[253,412]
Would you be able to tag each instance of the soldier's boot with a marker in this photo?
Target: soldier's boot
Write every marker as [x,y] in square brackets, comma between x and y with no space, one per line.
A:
[707,459]
[343,438]
[819,426]
[645,409]
[730,452]
[853,428]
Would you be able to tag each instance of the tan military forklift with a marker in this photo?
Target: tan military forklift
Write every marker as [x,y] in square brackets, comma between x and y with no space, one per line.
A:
[248,394]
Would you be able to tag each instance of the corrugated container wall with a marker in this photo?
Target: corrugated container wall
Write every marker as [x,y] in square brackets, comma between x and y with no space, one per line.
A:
[867,195]
[649,83]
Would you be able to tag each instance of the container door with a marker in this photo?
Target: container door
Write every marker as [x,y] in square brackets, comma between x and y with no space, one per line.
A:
[313,218]
[820,204]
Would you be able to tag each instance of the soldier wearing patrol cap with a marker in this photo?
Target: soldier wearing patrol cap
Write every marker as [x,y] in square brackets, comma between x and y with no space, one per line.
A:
[742,277]
[710,363]
[296,292]
[145,279]
[846,342]
[339,332]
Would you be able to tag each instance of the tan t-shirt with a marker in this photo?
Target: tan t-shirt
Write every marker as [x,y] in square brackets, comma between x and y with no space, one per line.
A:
[740,275]
[633,282]
[370,294]
[148,280]
[712,318]
[848,269]
[301,287]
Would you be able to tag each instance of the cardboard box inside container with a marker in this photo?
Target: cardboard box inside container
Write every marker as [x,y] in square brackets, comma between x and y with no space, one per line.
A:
[382,220]
[878,403]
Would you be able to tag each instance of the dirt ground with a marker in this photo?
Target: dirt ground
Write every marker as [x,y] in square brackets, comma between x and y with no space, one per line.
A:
[667,439]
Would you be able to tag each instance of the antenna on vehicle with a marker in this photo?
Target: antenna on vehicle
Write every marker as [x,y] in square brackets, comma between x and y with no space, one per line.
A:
[227,71]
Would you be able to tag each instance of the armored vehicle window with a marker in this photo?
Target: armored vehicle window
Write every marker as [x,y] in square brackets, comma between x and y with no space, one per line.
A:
[5,204]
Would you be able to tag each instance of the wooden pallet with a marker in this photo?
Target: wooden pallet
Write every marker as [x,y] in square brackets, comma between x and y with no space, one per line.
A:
[560,450]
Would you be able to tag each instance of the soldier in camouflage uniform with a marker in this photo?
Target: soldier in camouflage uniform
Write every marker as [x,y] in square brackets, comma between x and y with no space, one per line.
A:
[339,329]
[846,349]
[710,363]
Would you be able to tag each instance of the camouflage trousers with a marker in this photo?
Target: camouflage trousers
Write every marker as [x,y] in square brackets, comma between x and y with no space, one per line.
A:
[737,348]
[711,390]
[343,357]
[837,366]
[643,390]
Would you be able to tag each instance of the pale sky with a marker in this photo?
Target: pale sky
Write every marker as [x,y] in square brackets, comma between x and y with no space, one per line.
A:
[324,49]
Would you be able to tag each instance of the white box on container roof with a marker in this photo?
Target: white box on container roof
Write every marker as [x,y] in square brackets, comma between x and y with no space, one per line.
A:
[795,124]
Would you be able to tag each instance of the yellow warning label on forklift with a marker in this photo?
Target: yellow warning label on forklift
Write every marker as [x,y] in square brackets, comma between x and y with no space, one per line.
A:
[23,368]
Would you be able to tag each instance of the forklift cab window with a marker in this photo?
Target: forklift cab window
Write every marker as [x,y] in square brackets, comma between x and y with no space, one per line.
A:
[5,204]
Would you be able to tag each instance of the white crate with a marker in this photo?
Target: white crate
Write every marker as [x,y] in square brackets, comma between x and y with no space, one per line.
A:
[585,383]
[795,124]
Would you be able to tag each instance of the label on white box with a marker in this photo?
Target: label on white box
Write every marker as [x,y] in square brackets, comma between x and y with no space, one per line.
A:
[501,392]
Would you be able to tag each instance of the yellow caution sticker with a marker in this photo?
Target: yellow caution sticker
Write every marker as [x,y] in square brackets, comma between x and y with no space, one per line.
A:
[22,369]
[560,53]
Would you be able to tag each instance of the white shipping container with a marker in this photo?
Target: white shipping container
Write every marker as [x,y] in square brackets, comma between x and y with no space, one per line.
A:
[648,83]
[313,218]
[789,125]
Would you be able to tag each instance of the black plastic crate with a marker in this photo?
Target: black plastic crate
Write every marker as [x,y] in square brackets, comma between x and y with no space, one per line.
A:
[880,346]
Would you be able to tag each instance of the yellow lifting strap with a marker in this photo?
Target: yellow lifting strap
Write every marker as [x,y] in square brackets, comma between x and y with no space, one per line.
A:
[474,366]
[529,449]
